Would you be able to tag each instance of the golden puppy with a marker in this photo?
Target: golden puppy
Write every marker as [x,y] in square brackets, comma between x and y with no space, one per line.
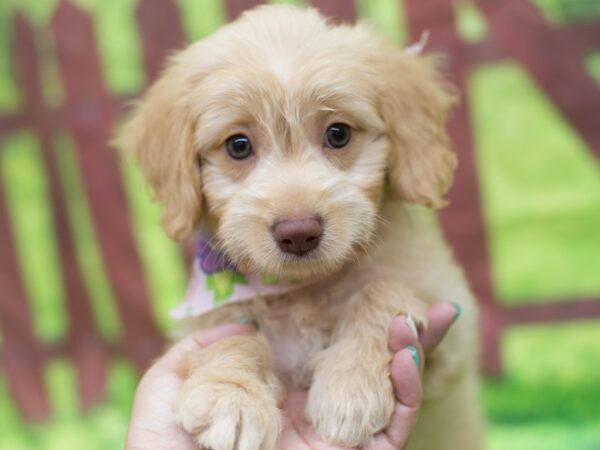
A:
[310,151]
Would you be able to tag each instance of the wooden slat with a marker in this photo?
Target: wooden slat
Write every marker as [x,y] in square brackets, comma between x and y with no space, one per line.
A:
[554,312]
[90,360]
[234,8]
[161,33]
[89,116]
[343,10]
[586,33]
[555,59]
[463,220]
[11,124]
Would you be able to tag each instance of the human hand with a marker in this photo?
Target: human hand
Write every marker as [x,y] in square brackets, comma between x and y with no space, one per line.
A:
[153,425]
[407,364]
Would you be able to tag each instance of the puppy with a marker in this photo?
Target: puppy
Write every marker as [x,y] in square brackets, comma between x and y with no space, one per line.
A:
[310,155]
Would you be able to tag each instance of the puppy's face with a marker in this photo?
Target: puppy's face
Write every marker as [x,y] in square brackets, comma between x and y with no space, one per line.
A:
[282,131]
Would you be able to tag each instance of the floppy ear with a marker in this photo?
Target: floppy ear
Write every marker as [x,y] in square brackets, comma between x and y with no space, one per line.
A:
[415,104]
[159,137]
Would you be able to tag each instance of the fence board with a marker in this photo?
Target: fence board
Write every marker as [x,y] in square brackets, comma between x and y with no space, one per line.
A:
[344,10]
[20,353]
[9,124]
[235,7]
[160,31]
[83,340]
[463,220]
[89,116]
[554,312]
[554,58]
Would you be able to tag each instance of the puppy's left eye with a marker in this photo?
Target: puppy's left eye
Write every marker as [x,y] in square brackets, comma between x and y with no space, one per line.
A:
[239,146]
[337,135]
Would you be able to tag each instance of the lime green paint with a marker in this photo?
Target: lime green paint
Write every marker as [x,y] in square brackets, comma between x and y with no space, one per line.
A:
[387,16]
[119,45]
[201,18]
[24,181]
[470,22]
[10,95]
[39,12]
[289,2]
[52,87]
[541,188]
[162,258]
[89,258]
[593,64]
[568,11]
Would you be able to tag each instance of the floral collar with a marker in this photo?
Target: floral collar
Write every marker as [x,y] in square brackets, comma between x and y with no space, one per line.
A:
[215,281]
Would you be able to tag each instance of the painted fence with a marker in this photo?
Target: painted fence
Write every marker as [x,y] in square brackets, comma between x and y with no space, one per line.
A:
[552,56]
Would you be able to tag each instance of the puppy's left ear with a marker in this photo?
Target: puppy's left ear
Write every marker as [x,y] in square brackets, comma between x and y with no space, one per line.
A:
[415,102]
[159,137]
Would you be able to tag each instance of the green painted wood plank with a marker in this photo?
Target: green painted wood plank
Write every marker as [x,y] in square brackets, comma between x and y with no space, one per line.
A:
[25,184]
[119,45]
[541,190]
[10,95]
[161,257]
[387,16]
[470,22]
[201,18]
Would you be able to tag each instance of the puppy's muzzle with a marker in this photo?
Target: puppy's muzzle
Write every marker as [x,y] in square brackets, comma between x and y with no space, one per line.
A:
[298,236]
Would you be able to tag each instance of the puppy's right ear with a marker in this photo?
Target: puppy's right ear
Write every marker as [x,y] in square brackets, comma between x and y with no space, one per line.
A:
[159,137]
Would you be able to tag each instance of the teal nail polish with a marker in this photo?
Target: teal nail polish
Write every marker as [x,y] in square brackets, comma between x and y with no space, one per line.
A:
[415,354]
[247,320]
[458,312]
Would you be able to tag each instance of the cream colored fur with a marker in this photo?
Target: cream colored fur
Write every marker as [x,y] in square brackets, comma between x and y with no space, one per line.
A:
[281,76]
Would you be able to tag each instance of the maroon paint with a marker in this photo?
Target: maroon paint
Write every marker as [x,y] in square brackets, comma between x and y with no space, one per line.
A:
[90,117]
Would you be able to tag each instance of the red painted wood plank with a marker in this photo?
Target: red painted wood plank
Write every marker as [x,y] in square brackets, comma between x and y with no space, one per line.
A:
[89,116]
[586,33]
[83,338]
[343,10]
[463,220]
[554,312]
[234,8]
[20,354]
[555,59]
[11,124]
[161,33]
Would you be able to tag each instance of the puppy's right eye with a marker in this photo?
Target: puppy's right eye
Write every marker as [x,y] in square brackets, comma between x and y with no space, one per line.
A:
[238,146]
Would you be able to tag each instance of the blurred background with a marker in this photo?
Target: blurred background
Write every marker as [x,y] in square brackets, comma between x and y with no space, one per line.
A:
[87,277]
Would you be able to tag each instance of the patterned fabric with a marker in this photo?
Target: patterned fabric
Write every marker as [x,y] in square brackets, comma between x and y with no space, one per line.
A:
[215,281]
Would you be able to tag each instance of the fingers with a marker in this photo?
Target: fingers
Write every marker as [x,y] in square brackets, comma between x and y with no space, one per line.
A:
[440,317]
[169,361]
[407,389]
[406,368]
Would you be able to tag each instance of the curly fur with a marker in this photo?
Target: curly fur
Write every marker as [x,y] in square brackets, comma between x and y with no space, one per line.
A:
[281,76]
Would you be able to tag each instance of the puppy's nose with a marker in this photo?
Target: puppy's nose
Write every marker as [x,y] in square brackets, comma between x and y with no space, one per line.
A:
[298,236]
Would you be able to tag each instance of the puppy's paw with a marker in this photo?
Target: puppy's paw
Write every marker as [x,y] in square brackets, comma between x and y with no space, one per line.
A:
[349,403]
[229,416]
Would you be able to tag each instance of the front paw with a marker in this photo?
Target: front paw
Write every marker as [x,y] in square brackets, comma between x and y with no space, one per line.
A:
[229,416]
[349,401]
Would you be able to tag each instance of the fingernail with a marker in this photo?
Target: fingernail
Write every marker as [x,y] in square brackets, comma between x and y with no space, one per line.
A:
[412,325]
[415,354]
[249,320]
[458,312]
